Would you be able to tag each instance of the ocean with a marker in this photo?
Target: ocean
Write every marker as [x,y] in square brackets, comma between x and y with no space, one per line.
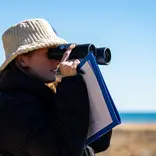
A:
[133,117]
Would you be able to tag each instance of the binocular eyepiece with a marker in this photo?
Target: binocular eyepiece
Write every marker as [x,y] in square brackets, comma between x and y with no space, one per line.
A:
[102,55]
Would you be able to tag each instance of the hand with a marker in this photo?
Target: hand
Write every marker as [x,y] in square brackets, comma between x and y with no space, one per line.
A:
[68,68]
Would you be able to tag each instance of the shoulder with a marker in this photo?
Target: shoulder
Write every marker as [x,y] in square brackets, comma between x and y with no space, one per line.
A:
[20,111]
[18,102]
[16,96]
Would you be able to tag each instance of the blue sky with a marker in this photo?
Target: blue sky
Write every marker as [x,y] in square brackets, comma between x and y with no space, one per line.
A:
[127,27]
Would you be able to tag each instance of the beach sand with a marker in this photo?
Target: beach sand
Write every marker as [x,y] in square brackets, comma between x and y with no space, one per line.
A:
[132,140]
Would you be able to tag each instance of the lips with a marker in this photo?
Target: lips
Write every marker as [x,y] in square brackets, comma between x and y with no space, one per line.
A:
[54,71]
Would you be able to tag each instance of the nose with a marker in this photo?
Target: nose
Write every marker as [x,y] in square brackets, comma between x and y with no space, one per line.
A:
[55,62]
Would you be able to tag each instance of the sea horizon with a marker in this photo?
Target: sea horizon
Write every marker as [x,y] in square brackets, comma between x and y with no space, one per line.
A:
[138,117]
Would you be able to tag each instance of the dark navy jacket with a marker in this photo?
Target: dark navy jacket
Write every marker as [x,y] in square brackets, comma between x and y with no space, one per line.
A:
[34,121]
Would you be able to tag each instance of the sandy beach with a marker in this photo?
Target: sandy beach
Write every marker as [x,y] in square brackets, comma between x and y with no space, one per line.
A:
[132,140]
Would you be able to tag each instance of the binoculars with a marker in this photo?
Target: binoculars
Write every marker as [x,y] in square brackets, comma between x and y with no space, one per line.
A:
[102,55]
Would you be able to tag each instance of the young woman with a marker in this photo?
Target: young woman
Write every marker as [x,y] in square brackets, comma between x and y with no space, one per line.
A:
[35,120]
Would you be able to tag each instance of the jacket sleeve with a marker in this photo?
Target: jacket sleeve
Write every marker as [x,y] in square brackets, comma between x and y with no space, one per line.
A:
[102,143]
[27,130]
[73,115]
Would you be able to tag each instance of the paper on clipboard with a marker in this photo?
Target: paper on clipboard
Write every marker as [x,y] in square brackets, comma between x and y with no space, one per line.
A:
[103,113]
[99,113]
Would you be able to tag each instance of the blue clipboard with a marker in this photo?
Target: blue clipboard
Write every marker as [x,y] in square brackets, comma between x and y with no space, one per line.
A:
[116,120]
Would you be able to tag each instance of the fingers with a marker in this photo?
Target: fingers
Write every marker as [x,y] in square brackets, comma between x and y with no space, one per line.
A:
[67,53]
[69,68]
[75,63]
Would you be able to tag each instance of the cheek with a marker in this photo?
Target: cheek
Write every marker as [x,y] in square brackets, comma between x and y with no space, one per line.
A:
[44,68]
[43,63]
[39,63]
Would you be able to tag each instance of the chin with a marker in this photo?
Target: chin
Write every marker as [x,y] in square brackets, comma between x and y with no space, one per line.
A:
[50,81]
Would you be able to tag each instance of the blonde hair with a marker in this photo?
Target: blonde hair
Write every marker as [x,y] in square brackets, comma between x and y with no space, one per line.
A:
[54,84]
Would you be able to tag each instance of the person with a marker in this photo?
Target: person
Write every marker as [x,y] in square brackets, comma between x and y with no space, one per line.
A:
[35,120]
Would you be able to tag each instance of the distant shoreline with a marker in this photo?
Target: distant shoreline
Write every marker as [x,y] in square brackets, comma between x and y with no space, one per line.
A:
[136,126]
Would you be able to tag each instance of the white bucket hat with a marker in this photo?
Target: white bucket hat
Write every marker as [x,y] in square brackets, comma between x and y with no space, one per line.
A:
[27,36]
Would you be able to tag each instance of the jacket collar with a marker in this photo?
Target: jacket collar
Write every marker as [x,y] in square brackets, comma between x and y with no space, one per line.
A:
[12,79]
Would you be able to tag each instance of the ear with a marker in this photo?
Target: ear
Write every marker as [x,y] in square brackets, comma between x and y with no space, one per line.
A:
[23,60]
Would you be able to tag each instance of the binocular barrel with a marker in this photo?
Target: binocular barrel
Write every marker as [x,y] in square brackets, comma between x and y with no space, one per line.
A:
[102,55]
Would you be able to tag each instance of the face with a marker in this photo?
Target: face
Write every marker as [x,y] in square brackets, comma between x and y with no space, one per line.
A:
[40,66]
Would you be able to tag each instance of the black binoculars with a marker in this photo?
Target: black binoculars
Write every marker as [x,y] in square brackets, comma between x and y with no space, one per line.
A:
[102,55]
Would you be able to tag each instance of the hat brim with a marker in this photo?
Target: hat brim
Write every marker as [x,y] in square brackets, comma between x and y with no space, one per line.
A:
[44,43]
